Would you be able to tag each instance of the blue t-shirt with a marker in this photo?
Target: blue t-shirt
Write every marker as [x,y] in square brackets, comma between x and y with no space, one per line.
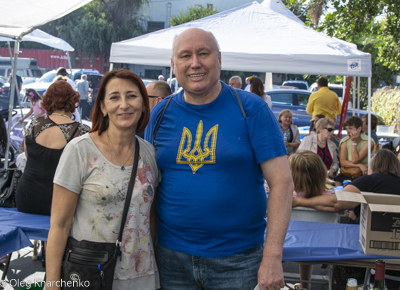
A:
[211,199]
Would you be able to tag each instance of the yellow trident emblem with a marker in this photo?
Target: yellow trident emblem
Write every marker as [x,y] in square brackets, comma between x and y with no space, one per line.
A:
[196,157]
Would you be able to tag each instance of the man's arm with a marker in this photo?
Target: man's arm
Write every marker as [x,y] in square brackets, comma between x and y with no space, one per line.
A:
[310,105]
[277,173]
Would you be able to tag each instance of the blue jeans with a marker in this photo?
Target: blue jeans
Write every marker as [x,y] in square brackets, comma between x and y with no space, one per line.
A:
[179,271]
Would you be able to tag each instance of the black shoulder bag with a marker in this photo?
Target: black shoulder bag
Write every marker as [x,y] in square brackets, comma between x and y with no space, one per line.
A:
[9,179]
[90,265]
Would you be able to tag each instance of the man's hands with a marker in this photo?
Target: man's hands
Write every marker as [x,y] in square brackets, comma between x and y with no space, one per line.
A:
[270,274]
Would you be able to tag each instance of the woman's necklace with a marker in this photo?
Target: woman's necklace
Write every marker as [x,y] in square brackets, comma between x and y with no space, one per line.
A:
[112,146]
[58,114]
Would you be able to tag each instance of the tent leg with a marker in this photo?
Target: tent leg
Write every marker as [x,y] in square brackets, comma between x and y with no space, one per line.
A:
[11,106]
[358,97]
[69,62]
[354,95]
[111,66]
[369,119]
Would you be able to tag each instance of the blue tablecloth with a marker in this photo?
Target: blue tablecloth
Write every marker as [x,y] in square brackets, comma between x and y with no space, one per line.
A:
[16,228]
[313,241]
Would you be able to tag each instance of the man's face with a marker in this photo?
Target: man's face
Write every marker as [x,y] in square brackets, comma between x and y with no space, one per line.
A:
[196,62]
[154,95]
[364,125]
[235,84]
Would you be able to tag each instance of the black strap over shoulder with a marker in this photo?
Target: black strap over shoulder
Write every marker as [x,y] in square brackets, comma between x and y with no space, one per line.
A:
[240,104]
[128,199]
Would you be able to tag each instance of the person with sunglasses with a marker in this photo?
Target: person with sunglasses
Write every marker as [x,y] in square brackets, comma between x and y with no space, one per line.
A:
[322,144]
[157,91]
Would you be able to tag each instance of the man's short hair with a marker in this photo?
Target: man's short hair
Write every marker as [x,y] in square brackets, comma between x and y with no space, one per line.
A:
[163,88]
[83,76]
[353,121]
[176,36]
[62,71]
[323,82]
[374,121]
[236,78]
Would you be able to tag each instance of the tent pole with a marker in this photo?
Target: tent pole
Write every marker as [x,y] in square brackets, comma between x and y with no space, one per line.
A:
[11,105]
[358,97]
[369,119]
[111,66]
[9,51]
[69,62]
[354,95]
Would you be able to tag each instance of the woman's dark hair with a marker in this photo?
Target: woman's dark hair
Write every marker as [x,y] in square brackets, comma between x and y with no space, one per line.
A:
[257,86]
[99,122]
[32,95]
[312,127]
[384,161]
[3,135]
[353,121]
[60,96]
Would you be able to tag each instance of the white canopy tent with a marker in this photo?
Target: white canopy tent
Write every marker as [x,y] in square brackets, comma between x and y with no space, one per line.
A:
[21,17]
[253,37]
[42,37]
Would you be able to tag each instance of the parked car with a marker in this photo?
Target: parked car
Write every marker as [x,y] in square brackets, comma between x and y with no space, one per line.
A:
[302,85]
[41,86]
[296,101]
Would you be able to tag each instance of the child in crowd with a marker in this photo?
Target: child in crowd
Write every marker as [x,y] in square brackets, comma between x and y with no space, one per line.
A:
[36,101]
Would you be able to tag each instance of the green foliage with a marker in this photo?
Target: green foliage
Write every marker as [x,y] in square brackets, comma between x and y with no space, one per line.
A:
[92,28]
[192,13]
[385,103]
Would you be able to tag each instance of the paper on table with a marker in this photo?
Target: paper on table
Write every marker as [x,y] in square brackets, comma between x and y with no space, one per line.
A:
[257,287]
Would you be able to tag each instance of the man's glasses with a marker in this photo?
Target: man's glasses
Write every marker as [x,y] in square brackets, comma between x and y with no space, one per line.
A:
[153,97]
[330,129]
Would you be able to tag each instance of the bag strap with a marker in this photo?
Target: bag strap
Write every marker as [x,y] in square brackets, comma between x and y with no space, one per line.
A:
[240,104]
[159,119]
[131,185]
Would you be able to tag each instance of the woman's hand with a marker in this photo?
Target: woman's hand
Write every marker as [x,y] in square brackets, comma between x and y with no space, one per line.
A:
[363,168]
[286,143]
[354,136]
[295,201]
[331,172]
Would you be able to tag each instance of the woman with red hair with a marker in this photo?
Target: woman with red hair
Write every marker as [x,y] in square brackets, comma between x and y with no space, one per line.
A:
[91,184]
[45,140]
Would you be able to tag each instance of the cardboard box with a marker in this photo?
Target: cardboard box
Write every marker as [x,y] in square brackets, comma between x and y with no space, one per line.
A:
[379,221]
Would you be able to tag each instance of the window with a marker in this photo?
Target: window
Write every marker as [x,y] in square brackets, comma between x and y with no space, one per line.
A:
[282,99]
[152,73]
[302,99]
[154,26]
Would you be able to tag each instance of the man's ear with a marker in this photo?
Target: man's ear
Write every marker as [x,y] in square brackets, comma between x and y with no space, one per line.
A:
[159,99]
[172,66]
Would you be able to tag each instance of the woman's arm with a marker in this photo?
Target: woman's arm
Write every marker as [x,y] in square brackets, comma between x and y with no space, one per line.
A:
[343,156]
[62,212]
[327,202]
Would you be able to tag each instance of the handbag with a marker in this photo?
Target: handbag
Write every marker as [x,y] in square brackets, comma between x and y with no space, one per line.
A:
[90,265]
[352,172]
[9,179]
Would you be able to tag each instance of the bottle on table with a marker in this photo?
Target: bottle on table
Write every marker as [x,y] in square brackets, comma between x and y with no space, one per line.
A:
[379,275]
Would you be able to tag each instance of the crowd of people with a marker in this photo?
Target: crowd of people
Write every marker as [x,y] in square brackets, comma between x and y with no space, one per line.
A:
[197,215]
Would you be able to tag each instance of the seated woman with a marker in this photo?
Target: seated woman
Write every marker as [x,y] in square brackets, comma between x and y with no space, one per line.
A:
[353,150]
[313,130]
[257,87]
[45,140]
[322,145]
[291,133]
[309,175]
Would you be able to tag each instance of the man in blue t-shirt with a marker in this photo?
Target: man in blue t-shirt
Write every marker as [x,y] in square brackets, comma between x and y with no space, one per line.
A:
[215,146]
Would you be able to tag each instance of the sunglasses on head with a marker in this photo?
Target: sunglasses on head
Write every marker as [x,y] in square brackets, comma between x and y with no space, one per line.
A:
[153,97]
[330,129]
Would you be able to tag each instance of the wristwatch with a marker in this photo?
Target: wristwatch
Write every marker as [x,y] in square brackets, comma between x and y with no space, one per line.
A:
[355,144]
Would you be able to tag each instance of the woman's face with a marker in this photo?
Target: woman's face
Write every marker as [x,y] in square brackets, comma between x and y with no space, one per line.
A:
[327,132]
[123,104]
[286,119]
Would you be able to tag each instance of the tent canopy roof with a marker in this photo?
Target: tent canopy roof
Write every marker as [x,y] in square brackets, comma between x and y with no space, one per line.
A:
[20,17]
[44,38]
[253,37]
